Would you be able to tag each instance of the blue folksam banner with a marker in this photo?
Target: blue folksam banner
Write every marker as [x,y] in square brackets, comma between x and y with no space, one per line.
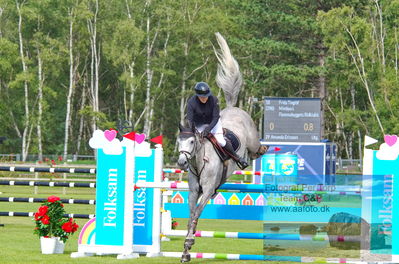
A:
[110,232]
[143,201]
[382,213]
[110,193]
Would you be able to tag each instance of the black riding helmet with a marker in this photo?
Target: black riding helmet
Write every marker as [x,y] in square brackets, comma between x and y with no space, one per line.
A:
[202,89]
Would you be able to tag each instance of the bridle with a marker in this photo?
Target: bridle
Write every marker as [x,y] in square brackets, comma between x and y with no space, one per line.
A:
[190,155]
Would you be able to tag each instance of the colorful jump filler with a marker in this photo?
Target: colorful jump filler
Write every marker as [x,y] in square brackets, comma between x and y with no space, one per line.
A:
[124,165]
[379,211]
[109,232]
[119,165]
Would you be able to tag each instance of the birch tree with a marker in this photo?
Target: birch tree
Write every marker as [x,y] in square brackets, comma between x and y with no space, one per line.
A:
[71,86]
[125,52]
[353,41]
[27,124]
[40,77]
[95,61]
[151,38]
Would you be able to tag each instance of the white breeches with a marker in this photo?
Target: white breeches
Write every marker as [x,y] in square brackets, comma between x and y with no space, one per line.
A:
[217,131]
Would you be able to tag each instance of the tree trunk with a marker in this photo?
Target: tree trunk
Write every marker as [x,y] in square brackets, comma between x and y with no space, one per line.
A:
[381,35]
[71,87]
[95,65]
[160,82]
[358,61]
[132,87]
[150,74]
[183,99]
[132,91]
[82,121]
[322,89]
[25,142]
[40,105]
[396,53]
[1,14]
[341,125]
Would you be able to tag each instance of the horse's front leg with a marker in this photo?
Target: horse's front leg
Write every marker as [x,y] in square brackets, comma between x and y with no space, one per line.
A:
[206,196]
[192,224]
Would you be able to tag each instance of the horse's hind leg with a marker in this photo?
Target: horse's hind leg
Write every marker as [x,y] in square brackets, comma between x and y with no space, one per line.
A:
[261,150]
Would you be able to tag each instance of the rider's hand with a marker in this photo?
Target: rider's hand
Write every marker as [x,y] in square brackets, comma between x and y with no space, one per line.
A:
[206,131]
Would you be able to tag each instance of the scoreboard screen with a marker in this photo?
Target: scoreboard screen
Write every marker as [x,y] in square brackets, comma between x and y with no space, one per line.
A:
[292,119]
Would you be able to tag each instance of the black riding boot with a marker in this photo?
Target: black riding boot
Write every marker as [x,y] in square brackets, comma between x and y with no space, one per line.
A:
[241,162]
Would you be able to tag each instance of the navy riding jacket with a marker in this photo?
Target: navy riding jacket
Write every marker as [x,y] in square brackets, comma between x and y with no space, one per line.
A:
[200,114]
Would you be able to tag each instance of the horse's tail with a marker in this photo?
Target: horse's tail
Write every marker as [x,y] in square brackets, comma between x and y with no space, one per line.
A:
[228,74]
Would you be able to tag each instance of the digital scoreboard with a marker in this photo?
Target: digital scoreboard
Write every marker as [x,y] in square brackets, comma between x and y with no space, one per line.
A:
[292,119]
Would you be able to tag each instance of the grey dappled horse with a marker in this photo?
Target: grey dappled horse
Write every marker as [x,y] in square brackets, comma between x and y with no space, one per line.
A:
[198,155]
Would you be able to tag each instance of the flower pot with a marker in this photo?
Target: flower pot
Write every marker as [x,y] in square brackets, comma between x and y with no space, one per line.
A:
[59,246]
[51,245]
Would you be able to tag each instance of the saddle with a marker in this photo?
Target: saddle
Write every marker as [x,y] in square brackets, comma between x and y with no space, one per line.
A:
[222,153]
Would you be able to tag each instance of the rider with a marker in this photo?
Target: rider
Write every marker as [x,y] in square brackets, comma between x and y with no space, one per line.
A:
[203,113]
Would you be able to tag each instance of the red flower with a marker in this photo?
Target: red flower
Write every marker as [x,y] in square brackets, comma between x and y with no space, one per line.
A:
[42,210]
[174,224]
[50,220]
[74,227]
[70,226]
[37,216]
[53,199]
[45,220]
[67,227]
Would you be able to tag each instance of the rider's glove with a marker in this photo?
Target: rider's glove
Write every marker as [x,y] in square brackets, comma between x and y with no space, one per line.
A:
[206,131]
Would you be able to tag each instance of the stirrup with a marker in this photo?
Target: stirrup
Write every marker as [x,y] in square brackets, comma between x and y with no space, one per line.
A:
[242,164]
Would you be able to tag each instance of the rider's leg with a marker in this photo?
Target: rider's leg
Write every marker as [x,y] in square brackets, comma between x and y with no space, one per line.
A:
[242,163]
[217,131]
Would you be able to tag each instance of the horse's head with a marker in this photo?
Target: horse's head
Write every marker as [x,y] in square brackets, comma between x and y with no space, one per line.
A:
[187,141]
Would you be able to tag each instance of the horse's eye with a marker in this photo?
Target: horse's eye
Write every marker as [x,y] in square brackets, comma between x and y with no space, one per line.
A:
[192,142]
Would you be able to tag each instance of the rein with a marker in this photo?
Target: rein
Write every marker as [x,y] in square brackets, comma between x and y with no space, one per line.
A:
[187,154]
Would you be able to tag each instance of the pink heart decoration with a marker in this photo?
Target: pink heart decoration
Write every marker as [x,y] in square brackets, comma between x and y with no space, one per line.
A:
[139,138]
[110,135]
[390,139]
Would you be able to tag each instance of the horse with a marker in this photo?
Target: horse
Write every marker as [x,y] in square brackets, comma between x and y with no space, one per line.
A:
[206,171]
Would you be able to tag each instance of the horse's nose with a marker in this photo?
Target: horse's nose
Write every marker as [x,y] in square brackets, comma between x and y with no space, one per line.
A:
[182,162]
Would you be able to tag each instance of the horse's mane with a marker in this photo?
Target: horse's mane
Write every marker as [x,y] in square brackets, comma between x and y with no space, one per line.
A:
[228,75]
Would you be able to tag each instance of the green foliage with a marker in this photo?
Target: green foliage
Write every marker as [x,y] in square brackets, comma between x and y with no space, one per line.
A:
[361,67]
[50,220]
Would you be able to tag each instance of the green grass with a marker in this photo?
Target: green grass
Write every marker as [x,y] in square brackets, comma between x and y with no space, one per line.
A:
[20,245]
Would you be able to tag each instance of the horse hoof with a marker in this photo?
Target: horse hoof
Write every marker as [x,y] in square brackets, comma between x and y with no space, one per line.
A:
[185,258]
